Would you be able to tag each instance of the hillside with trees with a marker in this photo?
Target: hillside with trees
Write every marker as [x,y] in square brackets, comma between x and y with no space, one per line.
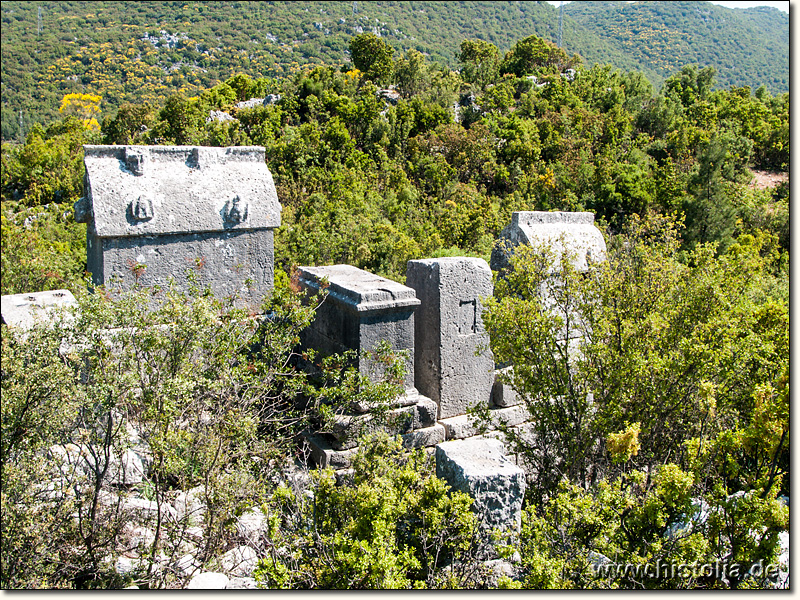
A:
[746,46]
[666,440]
[144,51]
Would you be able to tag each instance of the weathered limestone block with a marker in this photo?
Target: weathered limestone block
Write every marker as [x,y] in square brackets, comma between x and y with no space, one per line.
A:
[503,394]
[156,212]
[347,429]
[571,231]
[453,364]
[325,455]
[23,310]
[360,311]
[479,467]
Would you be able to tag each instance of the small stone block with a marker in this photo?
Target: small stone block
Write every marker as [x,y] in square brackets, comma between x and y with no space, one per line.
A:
[324,455]
[479,468]
[503,394]
[428,436]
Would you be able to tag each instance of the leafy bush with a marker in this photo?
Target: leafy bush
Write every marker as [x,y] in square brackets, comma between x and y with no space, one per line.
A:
[391,524]
[209,391]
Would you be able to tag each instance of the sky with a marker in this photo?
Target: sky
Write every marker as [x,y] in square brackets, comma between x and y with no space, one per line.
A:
[782,5]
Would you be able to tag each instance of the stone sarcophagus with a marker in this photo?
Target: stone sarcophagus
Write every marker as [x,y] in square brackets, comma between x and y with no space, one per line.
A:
[574,232]
[158,213]
[360,311]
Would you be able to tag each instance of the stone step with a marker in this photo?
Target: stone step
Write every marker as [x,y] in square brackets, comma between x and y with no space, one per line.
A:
[348,428]
[465,426]
[325,455]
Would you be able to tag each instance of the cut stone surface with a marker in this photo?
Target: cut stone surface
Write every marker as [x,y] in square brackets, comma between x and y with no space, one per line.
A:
[479,467]
[422,438]
[503,395]
[155,212]
[465,426]
[361,311]
[23,310]
[349,428]
[571,231]
[453,364]
[324,454]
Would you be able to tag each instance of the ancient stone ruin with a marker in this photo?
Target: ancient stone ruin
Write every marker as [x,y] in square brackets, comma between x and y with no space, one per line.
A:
[155,213]
[574,232]
[360,311]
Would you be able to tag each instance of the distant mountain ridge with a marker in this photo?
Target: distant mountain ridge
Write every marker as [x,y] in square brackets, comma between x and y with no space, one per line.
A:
[118,51]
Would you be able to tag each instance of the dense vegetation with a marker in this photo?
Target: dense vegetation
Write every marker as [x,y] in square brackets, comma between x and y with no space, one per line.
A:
[678,400]
[144,51]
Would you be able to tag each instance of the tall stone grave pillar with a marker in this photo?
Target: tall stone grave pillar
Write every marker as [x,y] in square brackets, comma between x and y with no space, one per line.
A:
[453,365]
[156,212]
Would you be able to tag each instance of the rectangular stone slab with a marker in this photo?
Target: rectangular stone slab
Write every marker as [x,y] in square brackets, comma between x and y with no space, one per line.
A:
[24,310]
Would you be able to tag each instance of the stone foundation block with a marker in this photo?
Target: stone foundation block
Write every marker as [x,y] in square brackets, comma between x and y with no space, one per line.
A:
[347,429]
[422,438]
[466,426]
[503,395]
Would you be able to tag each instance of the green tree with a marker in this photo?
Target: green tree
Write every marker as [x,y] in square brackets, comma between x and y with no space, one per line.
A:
[411,74]
[372,56]
[534,55]
[636,340]
[480,62]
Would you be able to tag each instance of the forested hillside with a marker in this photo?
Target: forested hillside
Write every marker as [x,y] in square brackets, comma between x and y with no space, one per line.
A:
[746,46]
[143,51]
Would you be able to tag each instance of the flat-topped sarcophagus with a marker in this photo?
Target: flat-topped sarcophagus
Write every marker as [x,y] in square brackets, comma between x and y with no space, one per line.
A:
[156,213]
[360,311]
